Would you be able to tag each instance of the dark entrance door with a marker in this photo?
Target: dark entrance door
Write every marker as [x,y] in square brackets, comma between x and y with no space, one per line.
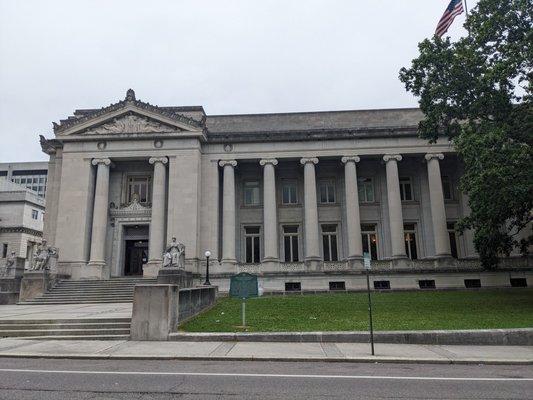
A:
[136,256]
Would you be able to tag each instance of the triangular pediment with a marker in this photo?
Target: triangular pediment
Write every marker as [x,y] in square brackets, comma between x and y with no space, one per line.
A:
[129,116]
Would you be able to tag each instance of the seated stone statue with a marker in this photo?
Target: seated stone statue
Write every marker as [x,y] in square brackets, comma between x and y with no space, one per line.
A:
[10,264]
[174,255]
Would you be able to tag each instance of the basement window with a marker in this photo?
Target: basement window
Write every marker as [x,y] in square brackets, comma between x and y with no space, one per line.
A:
[337,286]
[293,287]
[381,284]
[427,284]
[472,283]
[518,282]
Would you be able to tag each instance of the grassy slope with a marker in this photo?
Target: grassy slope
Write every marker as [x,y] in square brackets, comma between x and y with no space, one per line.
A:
[392,311]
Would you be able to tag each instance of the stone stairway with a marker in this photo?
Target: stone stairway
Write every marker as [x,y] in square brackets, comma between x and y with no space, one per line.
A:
[114,290]
[64,329]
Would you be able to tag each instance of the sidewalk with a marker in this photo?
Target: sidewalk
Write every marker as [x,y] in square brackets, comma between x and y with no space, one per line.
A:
[267,351]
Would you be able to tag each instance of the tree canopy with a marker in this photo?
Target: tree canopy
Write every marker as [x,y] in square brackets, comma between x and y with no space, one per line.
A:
[477,92]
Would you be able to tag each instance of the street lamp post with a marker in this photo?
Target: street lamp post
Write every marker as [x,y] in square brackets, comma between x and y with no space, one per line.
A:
[207,255]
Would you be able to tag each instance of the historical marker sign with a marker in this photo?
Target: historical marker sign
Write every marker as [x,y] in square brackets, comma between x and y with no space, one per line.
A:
[244,286]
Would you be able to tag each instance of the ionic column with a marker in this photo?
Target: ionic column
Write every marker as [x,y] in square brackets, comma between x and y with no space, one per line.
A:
[157,223]
[100,211]
[438,211]
[312,249]
[228,212]
[395,205]
[353,219]
[270,220]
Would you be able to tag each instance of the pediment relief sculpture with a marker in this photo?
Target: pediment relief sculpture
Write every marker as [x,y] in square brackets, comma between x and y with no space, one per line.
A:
[130,124]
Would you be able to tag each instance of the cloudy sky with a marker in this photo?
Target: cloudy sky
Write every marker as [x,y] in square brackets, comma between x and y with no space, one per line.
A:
[231,56]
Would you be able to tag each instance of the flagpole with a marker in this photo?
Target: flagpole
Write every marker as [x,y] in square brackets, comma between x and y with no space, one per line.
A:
[466,9]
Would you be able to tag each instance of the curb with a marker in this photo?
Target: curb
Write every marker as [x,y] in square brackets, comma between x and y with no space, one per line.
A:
[489,337]
[368,359]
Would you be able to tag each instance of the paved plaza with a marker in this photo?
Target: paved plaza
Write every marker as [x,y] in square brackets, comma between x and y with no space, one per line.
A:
[65,311]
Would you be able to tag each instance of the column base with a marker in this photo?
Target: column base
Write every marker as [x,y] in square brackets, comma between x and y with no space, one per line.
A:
[355,262]
[151,268]
[314,263]
[270,264]
[93,270]
[228,265]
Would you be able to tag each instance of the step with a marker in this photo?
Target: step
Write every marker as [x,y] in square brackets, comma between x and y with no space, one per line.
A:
[78,337]
[93,325]
[66,321]
[35,302]
[67,332]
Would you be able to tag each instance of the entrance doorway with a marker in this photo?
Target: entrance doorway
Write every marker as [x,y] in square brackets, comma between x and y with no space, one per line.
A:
[136,256]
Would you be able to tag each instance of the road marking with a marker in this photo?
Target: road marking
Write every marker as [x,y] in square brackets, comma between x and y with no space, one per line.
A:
[413,378]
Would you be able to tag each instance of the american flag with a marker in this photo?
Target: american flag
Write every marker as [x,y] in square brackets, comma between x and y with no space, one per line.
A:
[454,9]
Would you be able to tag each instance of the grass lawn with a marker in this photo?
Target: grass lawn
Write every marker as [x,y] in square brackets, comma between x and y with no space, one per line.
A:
[420,310]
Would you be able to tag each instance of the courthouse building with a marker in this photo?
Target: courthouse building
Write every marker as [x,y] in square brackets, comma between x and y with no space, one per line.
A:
[297,198]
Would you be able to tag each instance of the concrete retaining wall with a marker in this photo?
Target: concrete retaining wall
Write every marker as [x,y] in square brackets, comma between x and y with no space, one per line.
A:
[194,300]
[159,309]
[493,337]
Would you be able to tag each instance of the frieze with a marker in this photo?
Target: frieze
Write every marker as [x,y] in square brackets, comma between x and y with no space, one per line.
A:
[20,229]
[336,266]
[130,124]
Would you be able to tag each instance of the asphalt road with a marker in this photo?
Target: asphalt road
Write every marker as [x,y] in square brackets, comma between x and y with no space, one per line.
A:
[22,379]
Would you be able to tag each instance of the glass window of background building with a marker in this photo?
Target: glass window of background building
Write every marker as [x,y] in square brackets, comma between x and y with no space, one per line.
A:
[251,193]
[410,241]
[327,191]
[33,180]
[290,243]
[252,244]
[289,193]
[139,186]
[406,189]
[329,242]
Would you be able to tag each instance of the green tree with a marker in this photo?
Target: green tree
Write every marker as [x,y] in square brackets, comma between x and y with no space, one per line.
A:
[477,92]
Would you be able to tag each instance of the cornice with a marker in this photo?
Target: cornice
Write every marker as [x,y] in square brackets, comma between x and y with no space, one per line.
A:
[20,229]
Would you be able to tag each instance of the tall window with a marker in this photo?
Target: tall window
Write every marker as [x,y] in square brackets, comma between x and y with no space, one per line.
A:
[410,241]
[289,193]
[447,189]
[252,244]
[370,240]
[453,239]
[290,243]
[139,187]
[406,189]
[366,190]
[4,250]
[329,242]
[34,214]
[251,193]
[327,191]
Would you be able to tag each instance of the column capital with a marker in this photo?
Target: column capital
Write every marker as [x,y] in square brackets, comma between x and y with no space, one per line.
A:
[162,160]
[266,161]
[347,159]
[438,156]
[223,163]
[307,160]
[389,157]
[105,161]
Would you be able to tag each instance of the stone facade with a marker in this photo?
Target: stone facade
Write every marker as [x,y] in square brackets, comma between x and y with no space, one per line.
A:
[299,194]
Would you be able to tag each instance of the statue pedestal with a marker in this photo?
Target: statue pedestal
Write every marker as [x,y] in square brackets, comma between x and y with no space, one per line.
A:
[151,269]
[174,276]
[33,284]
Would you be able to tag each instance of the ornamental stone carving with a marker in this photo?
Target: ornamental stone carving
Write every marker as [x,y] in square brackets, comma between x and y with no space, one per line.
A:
[389,157]
[306,160]
[347,159]
[438,156]
[266,161]
[130,124]
[42,258]
[162,160]
[223,163]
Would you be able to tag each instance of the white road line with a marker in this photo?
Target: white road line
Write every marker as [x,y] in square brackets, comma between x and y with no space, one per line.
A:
[413,378]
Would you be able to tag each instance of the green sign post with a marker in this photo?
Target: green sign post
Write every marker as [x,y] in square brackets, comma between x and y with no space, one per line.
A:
[243,286]
[368,267]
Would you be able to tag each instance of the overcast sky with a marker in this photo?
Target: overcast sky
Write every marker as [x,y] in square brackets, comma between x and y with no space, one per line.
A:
[239,56]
